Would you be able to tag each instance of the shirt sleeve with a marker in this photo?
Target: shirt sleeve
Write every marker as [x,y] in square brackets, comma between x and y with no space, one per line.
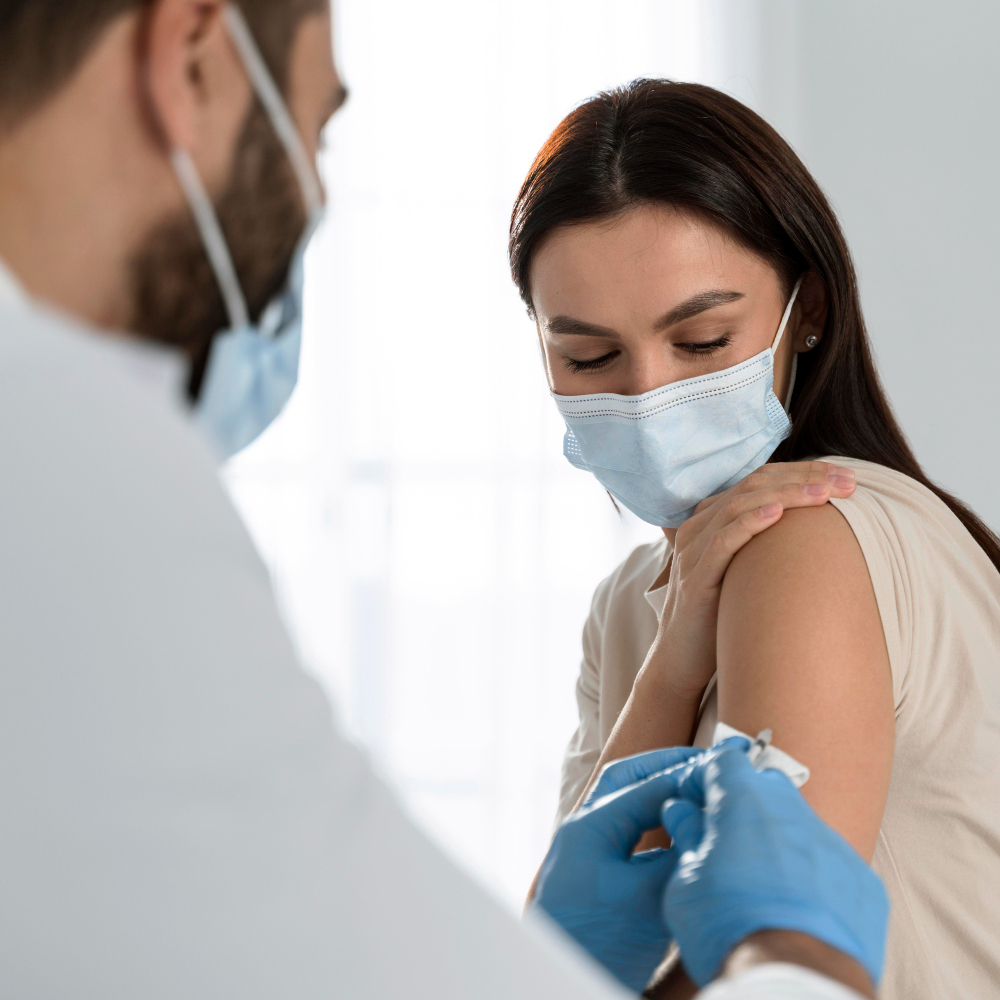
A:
[585,746]
[876,525]
[778,982]
[181,817]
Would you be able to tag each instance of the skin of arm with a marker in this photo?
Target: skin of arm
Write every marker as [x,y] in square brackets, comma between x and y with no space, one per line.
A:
[652,717]
[801,651]
[655,715]
[662,708]
[766,947]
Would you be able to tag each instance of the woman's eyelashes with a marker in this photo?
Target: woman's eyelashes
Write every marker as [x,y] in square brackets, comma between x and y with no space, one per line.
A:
[594,364]
[706,348]
[702,349]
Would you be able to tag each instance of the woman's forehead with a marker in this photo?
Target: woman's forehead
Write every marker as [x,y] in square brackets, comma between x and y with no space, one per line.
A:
[654,250]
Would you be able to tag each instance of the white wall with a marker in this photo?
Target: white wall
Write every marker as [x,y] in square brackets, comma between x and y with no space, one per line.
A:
[895,107]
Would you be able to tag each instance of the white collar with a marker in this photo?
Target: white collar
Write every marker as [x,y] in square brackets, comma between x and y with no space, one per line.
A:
[159,367]
[657,599]
[11,292]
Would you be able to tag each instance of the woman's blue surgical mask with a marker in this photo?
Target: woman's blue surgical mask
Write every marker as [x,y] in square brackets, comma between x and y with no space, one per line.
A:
[252,369]
[662,453]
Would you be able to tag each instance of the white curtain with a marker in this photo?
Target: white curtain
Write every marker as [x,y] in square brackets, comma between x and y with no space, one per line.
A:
[433,552]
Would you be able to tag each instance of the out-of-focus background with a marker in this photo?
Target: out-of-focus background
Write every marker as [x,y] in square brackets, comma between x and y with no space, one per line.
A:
[434,554]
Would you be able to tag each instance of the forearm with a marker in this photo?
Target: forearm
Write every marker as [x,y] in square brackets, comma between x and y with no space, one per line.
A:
[654,716]
[792,948]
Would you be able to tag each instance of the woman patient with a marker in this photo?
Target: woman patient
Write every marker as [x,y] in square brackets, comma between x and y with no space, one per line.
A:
[699,317]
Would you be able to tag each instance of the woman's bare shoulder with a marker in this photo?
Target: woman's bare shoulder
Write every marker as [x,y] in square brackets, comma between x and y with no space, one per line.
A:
[806,576]
[808,542]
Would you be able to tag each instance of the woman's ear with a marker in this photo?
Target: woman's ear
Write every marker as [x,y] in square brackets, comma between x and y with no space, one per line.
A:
[812,305]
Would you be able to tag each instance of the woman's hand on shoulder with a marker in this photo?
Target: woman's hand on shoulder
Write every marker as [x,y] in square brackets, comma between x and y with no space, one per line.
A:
[683,657]
[801,651]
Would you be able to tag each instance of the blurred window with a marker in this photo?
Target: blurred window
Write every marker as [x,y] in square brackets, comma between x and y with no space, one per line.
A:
[434,554]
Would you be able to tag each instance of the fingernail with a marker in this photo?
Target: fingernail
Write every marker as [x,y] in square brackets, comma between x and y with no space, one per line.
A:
[815,489]
[843,483]
[769,511]
[839,472]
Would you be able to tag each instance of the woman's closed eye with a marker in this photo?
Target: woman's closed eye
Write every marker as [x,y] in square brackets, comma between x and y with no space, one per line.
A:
[591,365]
[706,348]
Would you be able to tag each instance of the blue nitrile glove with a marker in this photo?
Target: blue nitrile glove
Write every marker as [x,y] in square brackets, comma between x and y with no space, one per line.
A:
[629,770]
[608,900]
[759,858]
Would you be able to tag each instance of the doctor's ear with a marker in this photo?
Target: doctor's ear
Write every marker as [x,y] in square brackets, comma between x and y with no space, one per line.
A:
[197,90]
[811,305]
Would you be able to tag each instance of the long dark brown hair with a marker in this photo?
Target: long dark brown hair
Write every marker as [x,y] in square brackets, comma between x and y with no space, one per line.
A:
[682,144]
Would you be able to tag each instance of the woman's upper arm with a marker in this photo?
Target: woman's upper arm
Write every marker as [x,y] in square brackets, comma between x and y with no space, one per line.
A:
[801,651]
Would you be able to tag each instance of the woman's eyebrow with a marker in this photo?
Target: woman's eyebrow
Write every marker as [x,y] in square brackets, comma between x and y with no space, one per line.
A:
[577,327]
[696,304]
[691,307]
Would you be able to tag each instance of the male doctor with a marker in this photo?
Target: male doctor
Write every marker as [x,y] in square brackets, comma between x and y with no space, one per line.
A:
[181,817]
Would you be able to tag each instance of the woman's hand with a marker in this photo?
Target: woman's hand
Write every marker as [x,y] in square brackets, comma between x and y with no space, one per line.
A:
[683,656]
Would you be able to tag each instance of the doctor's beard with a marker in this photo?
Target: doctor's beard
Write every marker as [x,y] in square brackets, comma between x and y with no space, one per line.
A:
[175,296]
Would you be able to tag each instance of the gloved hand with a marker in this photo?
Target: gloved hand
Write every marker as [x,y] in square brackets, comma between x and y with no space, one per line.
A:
[758,858]
[629,770]
[608,900]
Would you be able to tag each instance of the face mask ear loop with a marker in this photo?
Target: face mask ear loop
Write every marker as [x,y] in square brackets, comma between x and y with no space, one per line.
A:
[277,110]
[780,334]
[787,314]
[212,237]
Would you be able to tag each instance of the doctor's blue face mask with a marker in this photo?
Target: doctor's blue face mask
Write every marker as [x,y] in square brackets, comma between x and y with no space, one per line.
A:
[253,368]
[662,453]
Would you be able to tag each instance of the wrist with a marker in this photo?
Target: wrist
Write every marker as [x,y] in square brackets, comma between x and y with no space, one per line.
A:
[794,948]
[653,682]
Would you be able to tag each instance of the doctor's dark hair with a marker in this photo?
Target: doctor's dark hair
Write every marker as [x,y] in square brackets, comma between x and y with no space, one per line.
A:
[44,42]
[695,148]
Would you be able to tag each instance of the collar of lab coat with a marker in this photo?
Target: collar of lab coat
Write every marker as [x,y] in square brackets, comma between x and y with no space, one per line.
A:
[160,368]
[11,292]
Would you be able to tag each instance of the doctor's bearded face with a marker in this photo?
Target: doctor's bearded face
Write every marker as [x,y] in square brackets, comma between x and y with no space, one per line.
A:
[176,298]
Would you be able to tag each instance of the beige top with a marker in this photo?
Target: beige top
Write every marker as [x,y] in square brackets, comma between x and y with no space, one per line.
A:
[939,846]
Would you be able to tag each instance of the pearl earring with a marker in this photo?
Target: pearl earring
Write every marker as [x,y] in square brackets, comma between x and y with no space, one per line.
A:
[811,341]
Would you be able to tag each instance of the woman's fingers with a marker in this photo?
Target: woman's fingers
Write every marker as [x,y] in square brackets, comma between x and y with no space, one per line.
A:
[723,524]
[840,479]
[814,471]
[787,494]
[809,472]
